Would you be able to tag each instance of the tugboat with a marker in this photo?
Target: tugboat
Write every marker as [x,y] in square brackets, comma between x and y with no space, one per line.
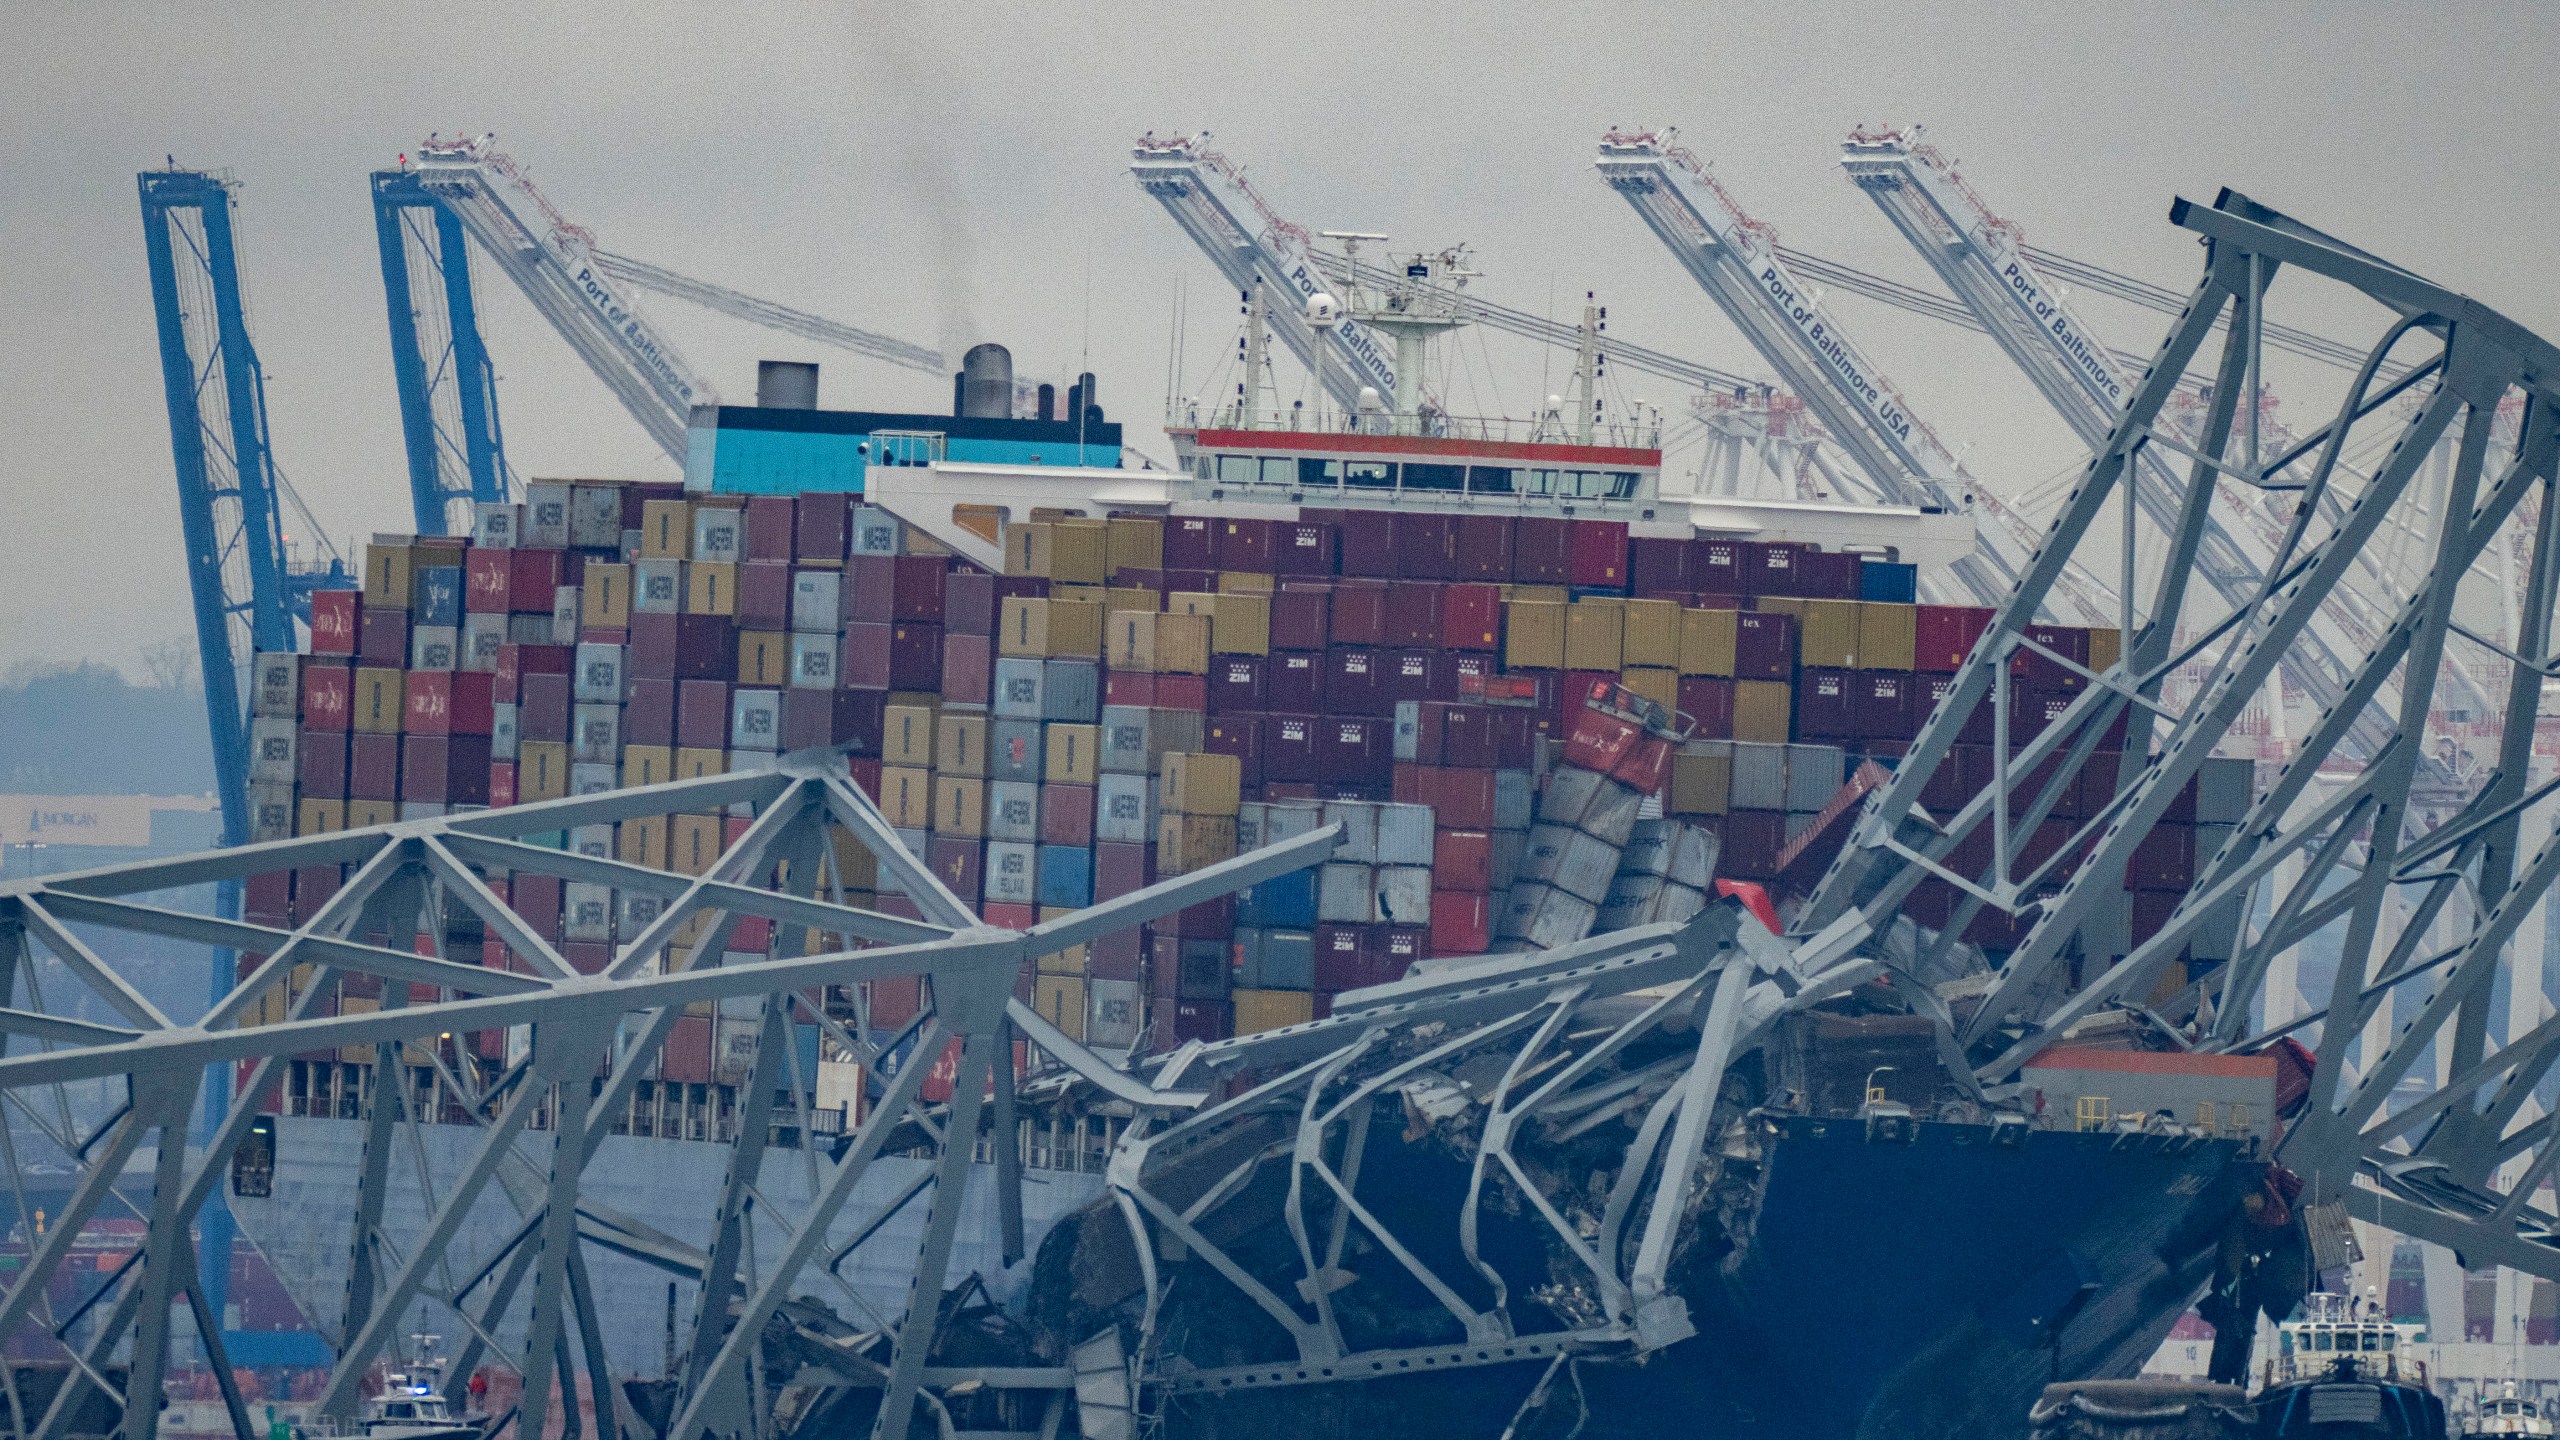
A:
[2342,1374]
[411,1403]
[2505,1414]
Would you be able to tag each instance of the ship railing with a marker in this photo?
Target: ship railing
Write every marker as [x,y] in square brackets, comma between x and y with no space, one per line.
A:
[1551,429]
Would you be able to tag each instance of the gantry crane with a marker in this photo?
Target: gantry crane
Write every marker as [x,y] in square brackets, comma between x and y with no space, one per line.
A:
[448,392]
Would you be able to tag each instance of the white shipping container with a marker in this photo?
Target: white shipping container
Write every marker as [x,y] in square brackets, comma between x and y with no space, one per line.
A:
[637,912]
[1814,773]
[1510,848]
[1018,686]
[1404,894]
[657,587]
[1124,743]
[270,810]
[566,615]
[1408,729]
[502,730]
[1759,776]
[586,912]
[595,734]
[1289,819]
[1515,799]
[599,676]
[483,634]
[275,686]
[546,517]
[816,599]
[421,809]
[1346,894]
[877,532]
[593,840]
[1013,811]
[1115,1013]
[1359,822]
[840,1087]
[733,1050]
[271,751]
[1013,872]
[755,719]
[1404,835]
[435,647]
[813,662]
[595,515]
[719,534]
[494,524]
[593,777]
[1545,917]
[1125,809]
[1248,826]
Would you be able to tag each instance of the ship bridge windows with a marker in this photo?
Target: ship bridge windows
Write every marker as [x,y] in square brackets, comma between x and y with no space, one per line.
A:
[1420,475]
[1490,479]
[1369,474]
[1582,484]
[1313,473]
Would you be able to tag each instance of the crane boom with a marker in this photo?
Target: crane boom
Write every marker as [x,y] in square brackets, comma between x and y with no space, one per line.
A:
[448,391]
[771,315]
[554,263]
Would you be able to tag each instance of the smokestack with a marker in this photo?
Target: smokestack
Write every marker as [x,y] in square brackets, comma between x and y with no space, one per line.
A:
[1048,401]
[786,385]
[959,394]
[986,383]
[1091,408]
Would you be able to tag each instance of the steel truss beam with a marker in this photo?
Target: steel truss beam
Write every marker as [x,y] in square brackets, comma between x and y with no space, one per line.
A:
[2351,841]
[403,879]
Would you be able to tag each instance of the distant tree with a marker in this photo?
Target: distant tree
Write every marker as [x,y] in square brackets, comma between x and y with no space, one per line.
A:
[86,729]
[171,664]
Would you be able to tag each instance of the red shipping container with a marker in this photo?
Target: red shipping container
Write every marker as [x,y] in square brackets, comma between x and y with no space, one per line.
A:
[1354,751]
[1471,617]
[1298,619]
[1715,566]
[1945,635]
[1289,749]
[1066,815]
[542,708]
[916,585]
[485,574]
[1427,545]
[1658,566]
[1190,543]
[1647,765]
[328,693]
[1542,550]
[706,648]
[450,702]
[1371,545]
[1346,958]
[769,527]
[1236,684]
[1461,922]
[1359,614]
[822,525]
[702,714]
[1122,687]
[968,669]
[1824,709]
[869,594]
[862,656]
[1462,860]
[373,767]
[968,602]
[895,999]
[650,716]
[382,636]
[1708,700]
[915,654]
[1120,868]
[1599,560]
[1598,740]
[533,579]
[502,783]
[1304,547]
[1182,692]
[333,621]
[1752,840]
[1245,544]
[1764,646]
[1484,545]
[764,595]
[864,773]
[686,1059]
[320,757]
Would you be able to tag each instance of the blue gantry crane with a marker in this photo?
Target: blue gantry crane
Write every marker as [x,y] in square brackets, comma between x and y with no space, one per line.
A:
[448,392]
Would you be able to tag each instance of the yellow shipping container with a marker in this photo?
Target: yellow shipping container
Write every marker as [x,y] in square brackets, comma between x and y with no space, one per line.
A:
[1706,642]
[1828,633]
[365,814]
[1075,628]
[542,770]
[960,744]
[906,796]
[356,1005]
[1182,644]
[1134,543]
[1260,1010]
[711,588]
[648,764]
[1888,635]
[1595,634]
[906,735]
[764,657]
[1653,634]
[1185,843]
[959,806]
[1074,754]
[1079,551]
[2106,648]
[1060,1001]
[1245,582]
[1129,640]
[1240,624]
[1131,597]
[666,530]
[1022,629]
[1657,683]
[321,817]
[379,707]
[1701,779]
[1191,602]
[386,574]
[643,842]
[693,843]
[1761,709]
[1200,784]
[604,597]
[1533,635]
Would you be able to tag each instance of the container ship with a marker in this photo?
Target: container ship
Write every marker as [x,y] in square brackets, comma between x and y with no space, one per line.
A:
[1063,673]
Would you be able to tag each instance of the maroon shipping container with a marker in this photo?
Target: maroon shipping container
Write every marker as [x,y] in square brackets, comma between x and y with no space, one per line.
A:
[1359,614]
[968,669]
[1371,545]
[1764,646]
[373,767]
[650,717]
[1120,867]
[1066,815]
[653,649]
[817,719]
[686,1060]
[959,864]
[321,757]
[968,602]
[1470,617]
[1658,566]
[533,578]
[1182,692]
[536,901]
[333,621]
[1946,633]
[1413,613]
[2042,671]
[1293,681]
[1298,618]
[1472,736]
[764,595]
[1245,544]
[1460,797]
[822,525]
[1201,1020]
[1417,675]
[1304,547]
[702,714]
[266,899]
[448,769]
[1708,700]
[1351,681]
[1827,575]
[2165,859]
[1119,955]
[1190,543]
[1289,749]
[1752,840]
[915,654]
[916,585]
[1208,920]
[706,648]
[382,637]
[1484,545]
[1236,684]
[328,692]
[862,657]
[769,527]
[1352,750]
[1241,737]
[1715,566]
[869,594]
[1119,687]
[1599,556]
[1824,710]
[1886,704]
[1769,567]
[1427,545]
[448,702]
[1346,958]
[484,581]
[542,707]
[1542,550]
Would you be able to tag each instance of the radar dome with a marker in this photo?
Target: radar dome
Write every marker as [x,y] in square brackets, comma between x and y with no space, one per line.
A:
[1323,311]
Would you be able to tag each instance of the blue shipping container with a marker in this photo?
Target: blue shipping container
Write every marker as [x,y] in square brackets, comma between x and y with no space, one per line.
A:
[1066,876]
[1284,902]
[1884,580]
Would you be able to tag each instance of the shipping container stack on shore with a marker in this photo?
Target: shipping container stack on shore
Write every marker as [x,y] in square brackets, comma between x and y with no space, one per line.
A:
[1139,697]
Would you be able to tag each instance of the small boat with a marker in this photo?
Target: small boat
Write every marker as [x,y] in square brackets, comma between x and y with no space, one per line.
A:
[411,1404]
[2506,1414]
[2346,1372]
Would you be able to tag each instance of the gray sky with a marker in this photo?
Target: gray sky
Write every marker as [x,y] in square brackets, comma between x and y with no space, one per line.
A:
[958,179]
